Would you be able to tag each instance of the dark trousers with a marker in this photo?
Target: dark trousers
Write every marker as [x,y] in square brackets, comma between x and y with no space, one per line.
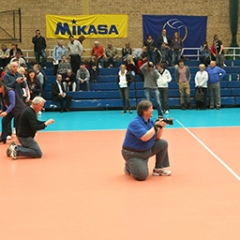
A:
[202,105]
[164,98]
[67,99]
[6,122]
[124,93]
[75,62]
[42,54]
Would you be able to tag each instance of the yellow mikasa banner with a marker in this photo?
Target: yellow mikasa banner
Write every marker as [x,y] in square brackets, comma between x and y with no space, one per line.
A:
[90,26]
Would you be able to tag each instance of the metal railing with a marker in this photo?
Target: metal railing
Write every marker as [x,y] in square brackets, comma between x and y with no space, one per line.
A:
[231,52]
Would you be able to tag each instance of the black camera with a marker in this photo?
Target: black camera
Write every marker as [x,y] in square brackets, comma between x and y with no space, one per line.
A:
[168,121]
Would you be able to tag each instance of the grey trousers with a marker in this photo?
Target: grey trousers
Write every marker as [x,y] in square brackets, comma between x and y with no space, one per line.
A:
[215,94]
[28,148]
[137,162]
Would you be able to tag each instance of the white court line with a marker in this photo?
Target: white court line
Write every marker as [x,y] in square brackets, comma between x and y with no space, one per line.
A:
[210,151]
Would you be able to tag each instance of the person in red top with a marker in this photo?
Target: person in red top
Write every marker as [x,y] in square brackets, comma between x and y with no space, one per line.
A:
[213,51]
[98,52]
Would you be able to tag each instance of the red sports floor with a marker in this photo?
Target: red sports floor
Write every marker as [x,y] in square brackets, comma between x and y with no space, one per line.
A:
[78,189]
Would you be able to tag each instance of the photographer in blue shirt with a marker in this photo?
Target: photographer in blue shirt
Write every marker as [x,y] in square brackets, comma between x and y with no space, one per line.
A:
[142,141]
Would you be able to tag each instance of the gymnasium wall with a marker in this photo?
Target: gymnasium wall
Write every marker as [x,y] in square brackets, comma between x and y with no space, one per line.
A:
[33,16]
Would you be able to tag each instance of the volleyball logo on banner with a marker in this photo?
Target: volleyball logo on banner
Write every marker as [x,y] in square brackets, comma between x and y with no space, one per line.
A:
[192,29]
[90,26]
[176,25]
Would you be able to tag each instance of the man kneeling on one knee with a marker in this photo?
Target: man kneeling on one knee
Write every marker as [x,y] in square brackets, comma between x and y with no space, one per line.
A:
[143,140]
[28,126]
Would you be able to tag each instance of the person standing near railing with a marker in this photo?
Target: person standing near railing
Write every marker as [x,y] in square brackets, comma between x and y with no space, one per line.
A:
[39,48]
[75,50]
[219,52]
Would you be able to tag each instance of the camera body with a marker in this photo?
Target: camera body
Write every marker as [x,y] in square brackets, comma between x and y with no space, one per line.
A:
[168,121]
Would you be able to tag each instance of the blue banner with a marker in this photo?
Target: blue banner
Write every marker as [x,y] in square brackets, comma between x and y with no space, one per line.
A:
[192,29]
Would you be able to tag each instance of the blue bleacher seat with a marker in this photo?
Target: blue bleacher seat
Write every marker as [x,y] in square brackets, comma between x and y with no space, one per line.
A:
[105,93]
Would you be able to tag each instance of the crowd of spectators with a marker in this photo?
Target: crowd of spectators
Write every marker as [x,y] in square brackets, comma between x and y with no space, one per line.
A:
[77,74]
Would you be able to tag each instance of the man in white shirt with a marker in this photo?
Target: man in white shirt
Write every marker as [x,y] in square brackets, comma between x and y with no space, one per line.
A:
[75,50]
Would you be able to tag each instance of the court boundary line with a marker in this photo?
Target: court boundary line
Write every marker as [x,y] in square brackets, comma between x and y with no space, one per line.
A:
[210,151]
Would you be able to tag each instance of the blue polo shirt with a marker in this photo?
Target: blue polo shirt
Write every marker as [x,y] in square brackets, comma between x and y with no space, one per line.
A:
[215,74]
[136,129]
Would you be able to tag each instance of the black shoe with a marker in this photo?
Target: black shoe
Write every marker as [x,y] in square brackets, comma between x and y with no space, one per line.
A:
[3,141]
[189,106]
[61,110]
[67,110]
[183,106]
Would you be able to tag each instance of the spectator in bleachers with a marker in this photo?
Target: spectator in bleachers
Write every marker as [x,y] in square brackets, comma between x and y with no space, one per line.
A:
[110,55]
[205,54]
[26,92]
[58,51]
[213,51]
[164,55]
[138,53]
[93,69]
[39,74]
[83,77]
[219,52]
[127,50]
[75,51]
[151,48]
[18,58]
[64,65]
[163,38]
[131,66]
[39,48]
[176,46]
[124,80]
[150,75]
[98,52]
[13,79]
[59,95]
[215,74]
[69,81]
[14,50]
[3,71]
[4,56]
[162,82]
[140,63]
[33,84]
[183,77]
[201,79]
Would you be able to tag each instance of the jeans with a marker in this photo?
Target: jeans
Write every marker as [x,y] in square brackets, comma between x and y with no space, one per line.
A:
[41,53]
[215,94]
[164,98]
[149,93]
[124,92]
[137,162]
[28,148]
[83,86]
[176,54]
[220,60]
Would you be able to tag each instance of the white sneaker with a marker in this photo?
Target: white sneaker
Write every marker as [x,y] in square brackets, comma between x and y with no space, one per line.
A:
[167,112]
[10,148]
[40,112]
[126,171]
[9,137]
[161,172]
[14,154]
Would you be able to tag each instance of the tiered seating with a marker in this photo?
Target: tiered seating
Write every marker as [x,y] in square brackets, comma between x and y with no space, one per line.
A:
[105,94]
